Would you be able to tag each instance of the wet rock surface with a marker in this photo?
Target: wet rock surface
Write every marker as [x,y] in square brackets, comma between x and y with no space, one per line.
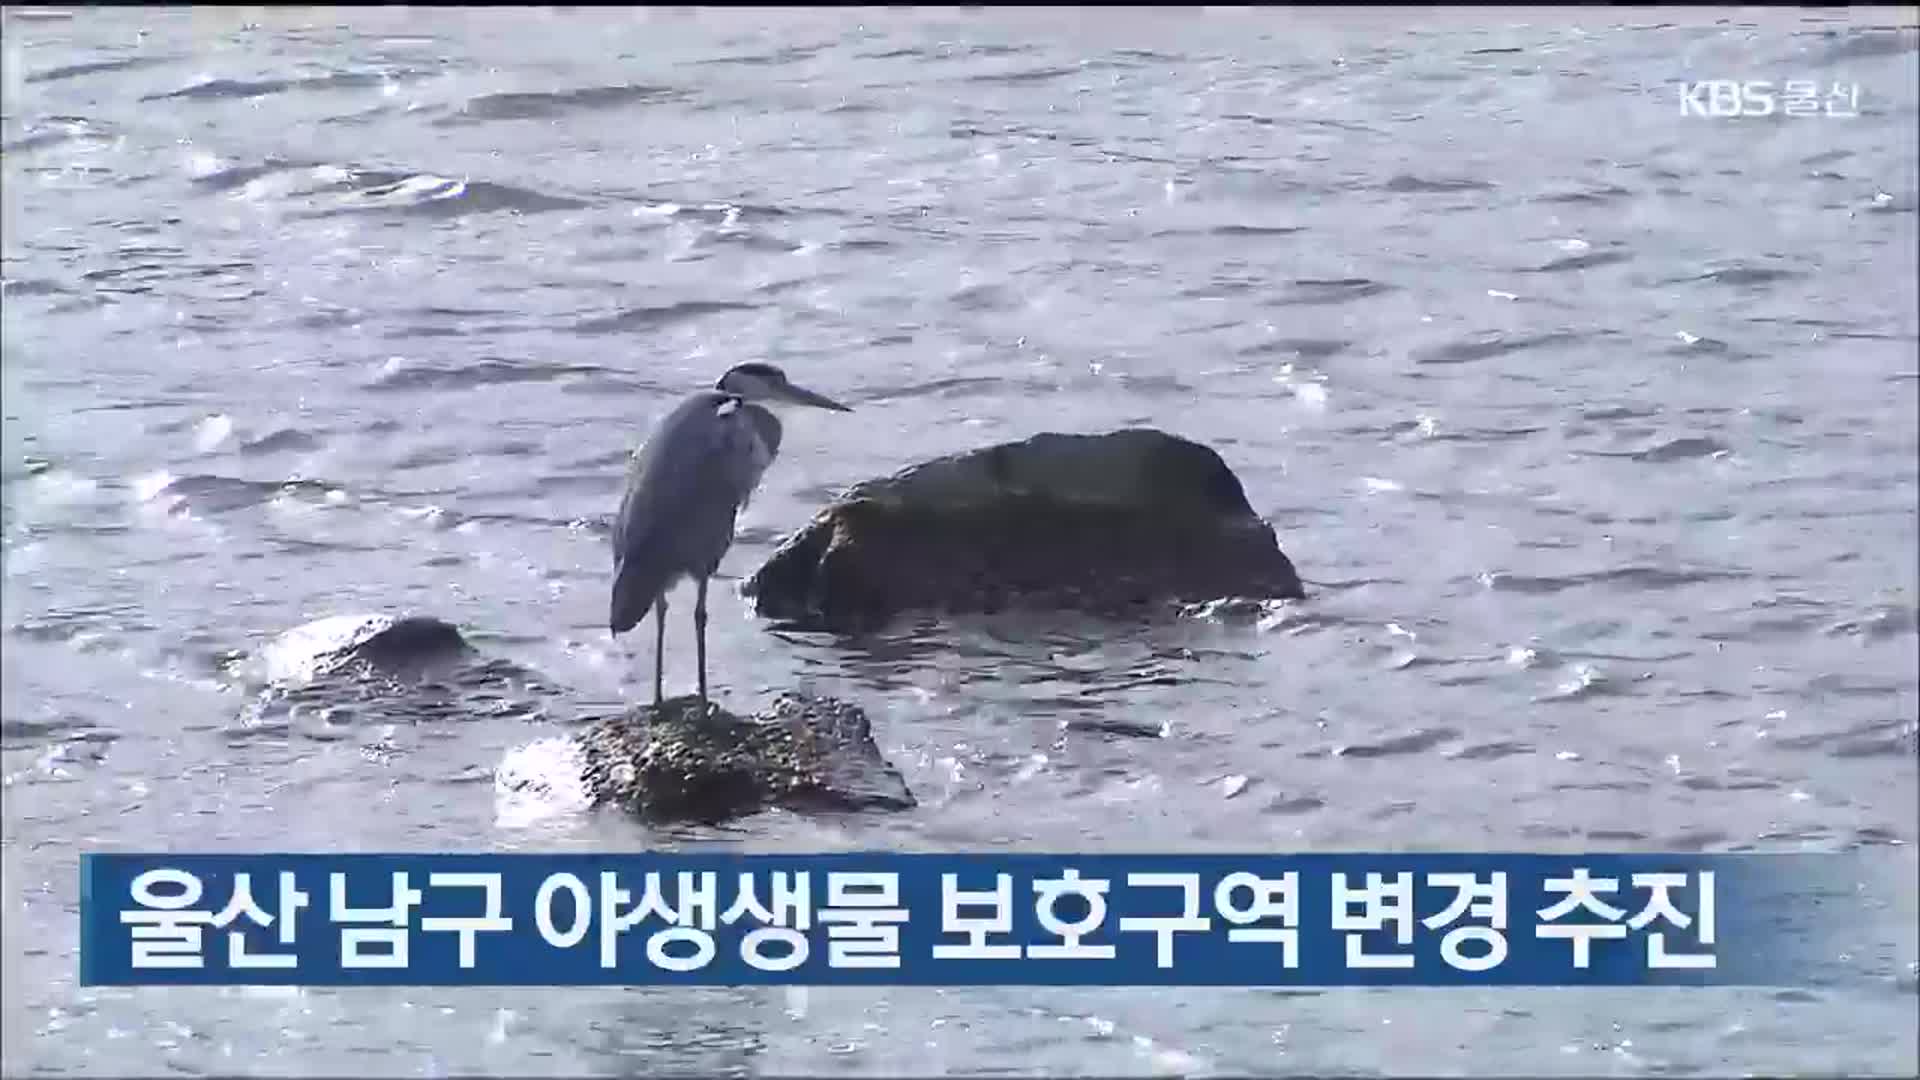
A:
[324,679]
[366,645]
[671,763]
[340,671]
[1112,524]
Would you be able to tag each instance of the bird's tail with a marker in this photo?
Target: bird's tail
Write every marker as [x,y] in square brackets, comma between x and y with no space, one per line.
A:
[634,592]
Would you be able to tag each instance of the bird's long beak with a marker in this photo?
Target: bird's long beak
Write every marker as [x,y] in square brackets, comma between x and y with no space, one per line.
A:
[801,396]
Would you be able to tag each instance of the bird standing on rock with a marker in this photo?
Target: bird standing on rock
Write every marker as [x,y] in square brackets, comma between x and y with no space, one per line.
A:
[684,488]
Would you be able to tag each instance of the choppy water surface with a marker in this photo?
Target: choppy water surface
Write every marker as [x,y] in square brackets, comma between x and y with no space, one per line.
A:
[1591,426]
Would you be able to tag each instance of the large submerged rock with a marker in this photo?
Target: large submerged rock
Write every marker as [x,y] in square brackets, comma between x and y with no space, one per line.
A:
[672,764]
[389,646]
[350,668]
[1103,524]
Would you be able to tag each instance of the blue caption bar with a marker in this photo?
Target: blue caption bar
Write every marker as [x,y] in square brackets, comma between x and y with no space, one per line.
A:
[923,919]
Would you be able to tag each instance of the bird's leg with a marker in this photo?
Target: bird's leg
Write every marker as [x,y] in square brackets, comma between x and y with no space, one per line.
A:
[700,639]
[659,649]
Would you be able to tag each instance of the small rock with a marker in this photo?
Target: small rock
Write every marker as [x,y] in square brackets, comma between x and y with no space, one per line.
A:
[1106,726]
[670,763]
[373,668]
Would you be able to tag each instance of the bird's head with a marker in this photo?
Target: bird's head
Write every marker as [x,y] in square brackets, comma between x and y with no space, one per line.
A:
[768,385]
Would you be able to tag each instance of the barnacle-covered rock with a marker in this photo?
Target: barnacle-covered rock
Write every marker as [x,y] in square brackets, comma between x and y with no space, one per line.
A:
[671,763]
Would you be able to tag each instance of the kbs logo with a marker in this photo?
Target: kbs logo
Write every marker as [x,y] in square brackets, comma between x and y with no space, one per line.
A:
[1760,97]
[1726,97]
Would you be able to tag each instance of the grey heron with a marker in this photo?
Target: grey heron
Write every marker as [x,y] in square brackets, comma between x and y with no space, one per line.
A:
[684,488]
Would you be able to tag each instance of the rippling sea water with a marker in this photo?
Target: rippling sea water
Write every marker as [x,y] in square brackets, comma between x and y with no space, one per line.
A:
[1592,428]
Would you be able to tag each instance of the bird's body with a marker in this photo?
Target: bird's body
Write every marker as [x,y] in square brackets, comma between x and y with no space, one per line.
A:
[685,488]
[670,526]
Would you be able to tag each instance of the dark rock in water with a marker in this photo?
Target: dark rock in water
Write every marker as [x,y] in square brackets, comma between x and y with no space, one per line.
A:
[672,764]
[1106,524]
[1111,726]
[360,667]
[398,648]
[371,645]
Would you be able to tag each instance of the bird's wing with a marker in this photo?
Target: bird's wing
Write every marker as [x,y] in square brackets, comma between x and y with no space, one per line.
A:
[689,480]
